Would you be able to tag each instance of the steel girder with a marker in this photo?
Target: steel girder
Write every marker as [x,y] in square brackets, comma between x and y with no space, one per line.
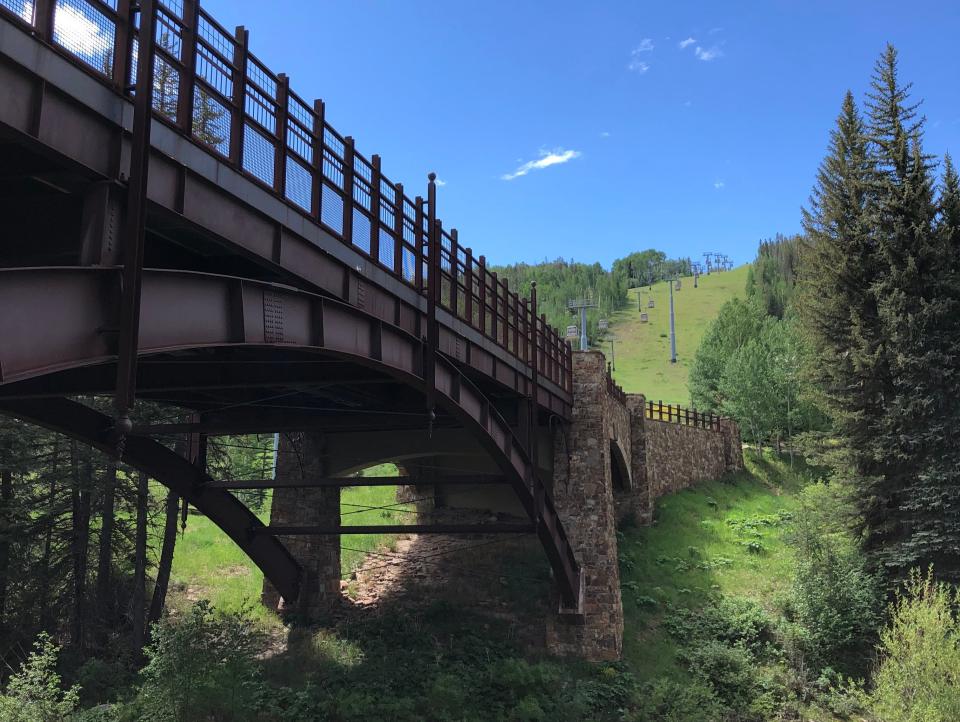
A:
[55,319]
[89,426]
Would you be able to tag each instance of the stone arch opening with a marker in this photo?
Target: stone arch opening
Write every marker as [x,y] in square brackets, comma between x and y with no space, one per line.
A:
[619,471]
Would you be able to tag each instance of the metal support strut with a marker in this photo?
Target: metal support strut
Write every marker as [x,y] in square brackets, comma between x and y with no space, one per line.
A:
[134,230]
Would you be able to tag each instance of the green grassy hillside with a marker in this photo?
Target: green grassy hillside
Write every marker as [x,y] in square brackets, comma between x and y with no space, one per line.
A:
[643,351]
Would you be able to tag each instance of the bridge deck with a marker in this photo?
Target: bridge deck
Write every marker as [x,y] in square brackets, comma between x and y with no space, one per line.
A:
[237,156]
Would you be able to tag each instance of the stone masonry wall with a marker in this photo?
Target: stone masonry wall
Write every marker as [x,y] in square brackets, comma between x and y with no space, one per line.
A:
[583,494]
[679,456]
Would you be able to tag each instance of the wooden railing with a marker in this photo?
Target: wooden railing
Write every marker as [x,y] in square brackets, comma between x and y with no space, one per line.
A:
[677,415]
[212,89]
[613,389]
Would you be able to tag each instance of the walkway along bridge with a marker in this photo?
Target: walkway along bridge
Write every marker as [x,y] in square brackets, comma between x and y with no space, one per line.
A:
[180,227]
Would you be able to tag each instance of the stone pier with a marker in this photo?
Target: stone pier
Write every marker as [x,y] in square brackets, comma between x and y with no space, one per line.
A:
[583,493]
[302,456]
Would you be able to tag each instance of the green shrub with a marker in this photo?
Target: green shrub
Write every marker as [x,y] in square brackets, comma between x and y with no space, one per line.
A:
[200,667]
[34,694]
[728,670]
[834,598]
[667,701]
[918,676]
[732,621]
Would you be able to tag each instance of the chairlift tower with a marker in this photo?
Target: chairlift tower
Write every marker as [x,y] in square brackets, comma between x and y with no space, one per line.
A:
[671,280]
[582,304]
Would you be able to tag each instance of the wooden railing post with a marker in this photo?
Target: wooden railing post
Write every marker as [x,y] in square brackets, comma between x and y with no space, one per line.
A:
[398,230]
[494,306]
[433,284]
[348,171]
[316,197]
[468,282]
[43,11]
[122,47]
[418,243]
[238,115]
[482,262]
[375,178]
[534,380]
[280,153]
[454,273]
[188,40]
[507,332]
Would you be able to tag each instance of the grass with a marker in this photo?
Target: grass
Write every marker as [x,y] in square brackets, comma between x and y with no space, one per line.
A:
[208,565]
[700,548]
[643,351]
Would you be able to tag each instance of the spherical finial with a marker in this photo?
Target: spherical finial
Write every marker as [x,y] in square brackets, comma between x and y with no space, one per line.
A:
[432,177]
[124,425]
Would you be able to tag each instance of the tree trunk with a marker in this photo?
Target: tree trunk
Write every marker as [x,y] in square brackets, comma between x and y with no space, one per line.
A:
[82,475]
[105,557]
[140,568]
[166,559]
[6,522]
[47,551]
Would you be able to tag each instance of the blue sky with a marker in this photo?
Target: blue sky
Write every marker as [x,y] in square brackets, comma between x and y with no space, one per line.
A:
[685,126]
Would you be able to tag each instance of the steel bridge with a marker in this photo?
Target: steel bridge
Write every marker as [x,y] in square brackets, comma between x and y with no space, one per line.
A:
[180,227]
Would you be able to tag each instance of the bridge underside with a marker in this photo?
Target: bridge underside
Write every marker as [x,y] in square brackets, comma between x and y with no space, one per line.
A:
[232,356]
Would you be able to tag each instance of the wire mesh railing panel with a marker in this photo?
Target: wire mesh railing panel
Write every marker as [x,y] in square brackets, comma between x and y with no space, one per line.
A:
[86,32]
[299,183]
[169,35]
[258,154]
[211,121]
[214,71]
[331,206]
[361,231]
[23,9]
[166,88]
[217,40]
[261,109]
[174,7]
[387,249]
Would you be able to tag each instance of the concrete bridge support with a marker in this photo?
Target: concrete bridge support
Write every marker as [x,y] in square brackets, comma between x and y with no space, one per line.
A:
[303,456]
[584,495]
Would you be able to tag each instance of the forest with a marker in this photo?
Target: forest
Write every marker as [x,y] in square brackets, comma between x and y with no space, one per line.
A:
[561,281]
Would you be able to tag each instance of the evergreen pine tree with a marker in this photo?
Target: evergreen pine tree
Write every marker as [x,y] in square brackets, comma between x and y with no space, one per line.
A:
[906,525]
[838,308]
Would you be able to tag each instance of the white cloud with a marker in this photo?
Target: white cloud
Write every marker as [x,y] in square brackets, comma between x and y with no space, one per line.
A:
[605,134]
[714,31]
[646,46]
[79,34]
[546,159]
[719,185]
[686,43]
[637,64]
[441,183]
[707,55]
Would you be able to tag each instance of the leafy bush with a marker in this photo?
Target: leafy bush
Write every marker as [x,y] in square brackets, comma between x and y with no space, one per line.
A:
[730,620]
[834,598]
[729,671]
[667,701]
[201,667]
[34,694]
[918,677]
